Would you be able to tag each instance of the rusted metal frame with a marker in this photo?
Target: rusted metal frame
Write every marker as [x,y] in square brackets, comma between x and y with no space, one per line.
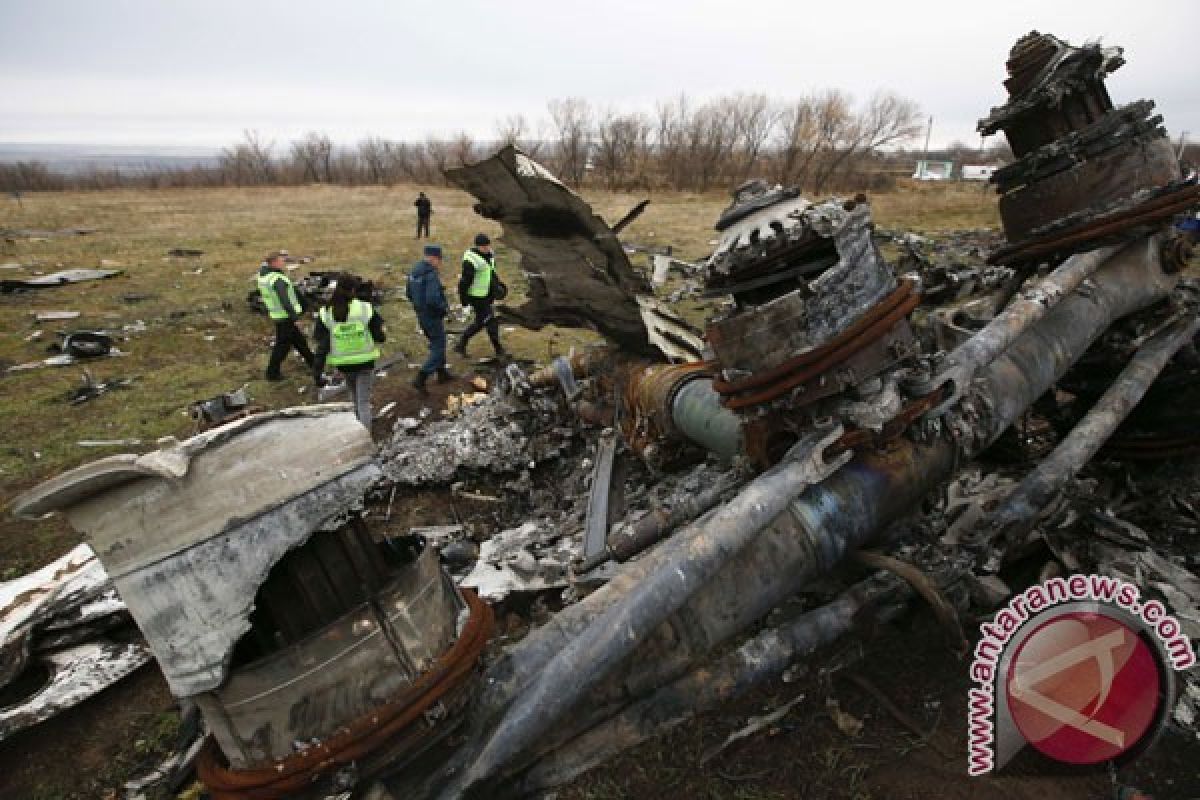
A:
[1031,305]
[865,336]
[1014,519]
[853,333]
[358,739]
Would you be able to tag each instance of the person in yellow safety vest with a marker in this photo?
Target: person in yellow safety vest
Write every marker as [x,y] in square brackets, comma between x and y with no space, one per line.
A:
[477,289]
[283,306]
[347,333]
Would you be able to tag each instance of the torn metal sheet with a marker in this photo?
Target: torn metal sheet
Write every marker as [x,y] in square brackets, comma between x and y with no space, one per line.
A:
[76,674]
[529,558]
[577,271]
[54,279]
[595,531]
[669,332]
[264,484]
[61,360]
[63,588]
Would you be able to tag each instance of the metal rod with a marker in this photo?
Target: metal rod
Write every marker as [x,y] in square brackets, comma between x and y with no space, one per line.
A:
[1014,519]
[629,540]
[760,658]
[1031,305]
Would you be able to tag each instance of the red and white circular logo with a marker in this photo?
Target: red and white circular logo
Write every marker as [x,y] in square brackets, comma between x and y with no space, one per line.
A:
[1084,688]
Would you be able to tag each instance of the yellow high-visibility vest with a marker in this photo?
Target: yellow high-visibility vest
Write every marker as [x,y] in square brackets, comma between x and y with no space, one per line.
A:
[482,285]
[350,342]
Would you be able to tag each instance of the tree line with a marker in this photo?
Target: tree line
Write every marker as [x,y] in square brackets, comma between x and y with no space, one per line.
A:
[821,142]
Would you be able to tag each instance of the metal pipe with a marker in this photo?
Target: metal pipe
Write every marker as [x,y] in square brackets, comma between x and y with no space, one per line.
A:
[629,540]
[697,413]
[613,636]
[758,659]
[1013,520]
[550,672]
[1031,305]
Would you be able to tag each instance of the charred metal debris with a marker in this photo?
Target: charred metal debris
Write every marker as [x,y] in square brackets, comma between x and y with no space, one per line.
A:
[651,505]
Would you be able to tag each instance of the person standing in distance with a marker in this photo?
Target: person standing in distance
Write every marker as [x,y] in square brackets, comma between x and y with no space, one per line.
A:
[347,333]
[477,289]
[283,306]
[428,297]
[424,212]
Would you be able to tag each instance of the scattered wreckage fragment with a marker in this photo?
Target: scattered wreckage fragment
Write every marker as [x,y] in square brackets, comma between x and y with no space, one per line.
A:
[55,648]
[55,279]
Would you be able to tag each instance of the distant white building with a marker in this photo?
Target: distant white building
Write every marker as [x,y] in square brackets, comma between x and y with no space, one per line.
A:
[977,173]
[933,170]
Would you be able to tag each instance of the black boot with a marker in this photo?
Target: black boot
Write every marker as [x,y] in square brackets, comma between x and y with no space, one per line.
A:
[444,375]
[419,382]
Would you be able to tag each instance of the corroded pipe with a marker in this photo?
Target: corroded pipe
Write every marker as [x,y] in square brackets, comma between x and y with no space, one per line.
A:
[760,658]
[1013,520]
[1031,305]
[698,414]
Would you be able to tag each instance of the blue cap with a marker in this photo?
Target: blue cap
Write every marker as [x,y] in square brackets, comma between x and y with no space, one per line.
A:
[433,250]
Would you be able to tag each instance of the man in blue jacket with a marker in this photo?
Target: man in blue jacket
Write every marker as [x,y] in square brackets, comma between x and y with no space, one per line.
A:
[428,297]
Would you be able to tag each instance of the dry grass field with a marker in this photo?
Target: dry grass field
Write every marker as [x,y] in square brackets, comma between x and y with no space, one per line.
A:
[197,337]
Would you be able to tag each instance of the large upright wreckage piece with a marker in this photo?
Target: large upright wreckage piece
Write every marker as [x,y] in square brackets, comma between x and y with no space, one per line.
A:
[1086,172]
[815,380]
[266,601]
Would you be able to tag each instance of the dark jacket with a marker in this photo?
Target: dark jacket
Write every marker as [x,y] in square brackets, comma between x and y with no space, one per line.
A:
[321,337]
[468,277]
[425,292]
[424,206]
[282,293]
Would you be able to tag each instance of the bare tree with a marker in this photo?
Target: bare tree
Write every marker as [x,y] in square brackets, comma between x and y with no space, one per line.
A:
[621,148]
[888,119]
[462,150]
[672,121]
[312,158]
[753,117]
[572,118]
[248,163]
[516,130]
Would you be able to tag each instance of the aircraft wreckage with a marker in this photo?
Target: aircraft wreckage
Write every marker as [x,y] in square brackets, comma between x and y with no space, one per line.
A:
[808,420]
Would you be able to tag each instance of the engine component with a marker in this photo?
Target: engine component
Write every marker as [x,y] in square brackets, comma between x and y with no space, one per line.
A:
[1085,171]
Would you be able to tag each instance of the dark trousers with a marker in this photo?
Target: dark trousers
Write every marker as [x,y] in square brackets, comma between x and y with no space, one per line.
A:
[422,226]
[434,328]
[485,318]
[287,337]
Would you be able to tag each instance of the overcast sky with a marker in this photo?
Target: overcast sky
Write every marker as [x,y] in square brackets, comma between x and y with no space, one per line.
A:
[198,72]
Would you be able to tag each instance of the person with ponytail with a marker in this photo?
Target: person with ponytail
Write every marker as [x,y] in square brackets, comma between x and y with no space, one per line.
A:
[347,332]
